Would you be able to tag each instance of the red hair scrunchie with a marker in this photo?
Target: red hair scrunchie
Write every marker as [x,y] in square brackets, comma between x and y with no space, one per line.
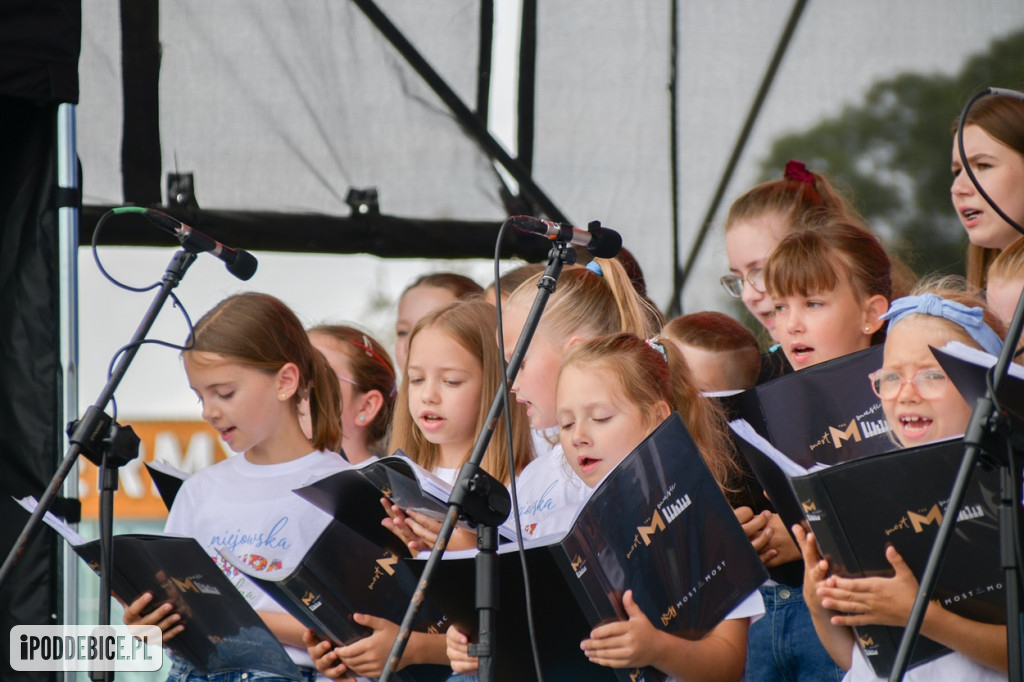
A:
[797,171]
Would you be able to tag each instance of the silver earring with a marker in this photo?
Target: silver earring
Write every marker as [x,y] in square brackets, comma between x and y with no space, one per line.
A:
[362,417]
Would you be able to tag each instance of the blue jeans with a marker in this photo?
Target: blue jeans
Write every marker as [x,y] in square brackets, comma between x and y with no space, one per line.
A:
[783,646]
[182,671]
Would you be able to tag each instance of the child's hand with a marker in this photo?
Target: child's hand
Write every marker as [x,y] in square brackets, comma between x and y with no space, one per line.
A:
[872,601]
[623,644]
[420,532]
[367,657]
[325,659]
[780,548]
[458,652]
[162,616]
[815,568]
[397,523]
[757,530]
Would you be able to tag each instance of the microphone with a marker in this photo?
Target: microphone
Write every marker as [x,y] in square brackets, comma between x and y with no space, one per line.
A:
[239,262]
[599,241]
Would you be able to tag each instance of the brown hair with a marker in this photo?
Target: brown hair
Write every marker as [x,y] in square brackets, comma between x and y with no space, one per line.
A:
[1009,264]
[372,370]
[797,194]
[1002,118]
[817,260]
[646,376]
[459,285]
[511,279]
[259,331]
[587,304]
[470,323]
[714,331]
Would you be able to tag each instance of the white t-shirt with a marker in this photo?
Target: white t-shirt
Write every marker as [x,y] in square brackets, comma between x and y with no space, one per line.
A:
[549,494]
[953,667]
[250,509]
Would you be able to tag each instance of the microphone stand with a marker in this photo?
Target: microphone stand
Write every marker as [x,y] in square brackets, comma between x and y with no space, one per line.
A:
[483,499]
[106,444]
[988,430]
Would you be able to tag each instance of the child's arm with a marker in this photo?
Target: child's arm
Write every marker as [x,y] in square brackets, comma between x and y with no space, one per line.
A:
[837,639]
[367,656]
[888,601]
[458,652]
[286,628]
[720,655]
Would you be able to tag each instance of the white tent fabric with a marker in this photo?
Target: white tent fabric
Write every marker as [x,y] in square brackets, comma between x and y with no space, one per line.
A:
[283,106]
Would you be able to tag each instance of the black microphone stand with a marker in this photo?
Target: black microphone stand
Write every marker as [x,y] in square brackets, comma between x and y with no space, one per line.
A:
[106,444]
[988,430]
[989,434]
[483,499]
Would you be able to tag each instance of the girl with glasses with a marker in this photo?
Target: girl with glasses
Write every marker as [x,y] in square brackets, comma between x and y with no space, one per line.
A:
[760,219]
[922,406]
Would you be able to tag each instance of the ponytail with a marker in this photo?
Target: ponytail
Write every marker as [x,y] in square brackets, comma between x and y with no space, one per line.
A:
[591,301]
[324,404]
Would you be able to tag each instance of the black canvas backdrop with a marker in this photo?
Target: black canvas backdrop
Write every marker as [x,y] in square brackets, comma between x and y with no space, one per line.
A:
[29,364]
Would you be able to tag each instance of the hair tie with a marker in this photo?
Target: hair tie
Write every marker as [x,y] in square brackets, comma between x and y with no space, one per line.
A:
[367,347]
[658,346]
[595,268]
[972,320]
[797,171]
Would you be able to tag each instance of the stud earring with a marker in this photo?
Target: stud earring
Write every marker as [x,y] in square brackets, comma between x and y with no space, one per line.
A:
[867,329]
[283,396]
[362,417]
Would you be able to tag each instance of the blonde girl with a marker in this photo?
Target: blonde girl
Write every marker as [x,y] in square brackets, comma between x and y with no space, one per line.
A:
[453,356]
[368,387]
[251,364]
[452,373]
[589,301]
[612,392]
[922,406]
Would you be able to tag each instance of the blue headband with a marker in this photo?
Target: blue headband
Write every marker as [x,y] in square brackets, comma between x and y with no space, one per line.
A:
[595,268]
[972,320]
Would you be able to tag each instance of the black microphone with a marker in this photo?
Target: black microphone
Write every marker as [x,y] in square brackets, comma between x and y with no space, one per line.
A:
[239,262]
[599,241]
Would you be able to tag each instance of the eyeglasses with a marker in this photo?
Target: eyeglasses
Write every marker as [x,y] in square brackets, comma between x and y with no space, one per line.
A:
[929,383]
[733,284]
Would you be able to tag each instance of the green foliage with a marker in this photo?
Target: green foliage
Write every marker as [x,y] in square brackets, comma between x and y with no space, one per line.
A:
[892,154]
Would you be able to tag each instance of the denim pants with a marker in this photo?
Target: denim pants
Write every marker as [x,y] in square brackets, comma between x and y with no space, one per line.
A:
[782,646]
[182,671]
